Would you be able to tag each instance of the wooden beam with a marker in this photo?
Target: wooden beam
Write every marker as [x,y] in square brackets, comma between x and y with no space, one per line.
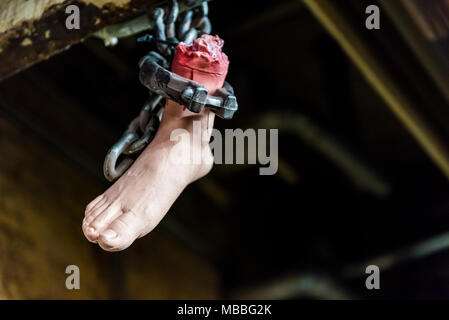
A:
[34,30]
[332,17]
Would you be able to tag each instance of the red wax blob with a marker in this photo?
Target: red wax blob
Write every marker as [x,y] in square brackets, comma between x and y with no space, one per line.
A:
[202,61]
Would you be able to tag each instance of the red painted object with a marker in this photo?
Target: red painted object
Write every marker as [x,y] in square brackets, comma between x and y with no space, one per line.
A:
[202,61]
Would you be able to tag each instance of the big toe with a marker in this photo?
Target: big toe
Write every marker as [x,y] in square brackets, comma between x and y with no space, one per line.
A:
[122,232]
[98,220]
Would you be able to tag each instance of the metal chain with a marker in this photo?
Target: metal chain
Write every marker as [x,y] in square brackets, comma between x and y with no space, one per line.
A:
[141,131]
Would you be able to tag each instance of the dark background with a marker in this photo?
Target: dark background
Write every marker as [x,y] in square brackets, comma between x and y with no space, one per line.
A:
[316,223]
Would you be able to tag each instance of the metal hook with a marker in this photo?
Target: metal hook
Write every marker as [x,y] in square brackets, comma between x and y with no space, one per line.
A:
[110,168]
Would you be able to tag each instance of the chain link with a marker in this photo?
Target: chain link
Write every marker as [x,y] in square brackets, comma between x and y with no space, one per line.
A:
[141,131]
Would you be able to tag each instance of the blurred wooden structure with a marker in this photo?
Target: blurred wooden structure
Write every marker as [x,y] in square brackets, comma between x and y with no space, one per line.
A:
[34,30]
[350,38]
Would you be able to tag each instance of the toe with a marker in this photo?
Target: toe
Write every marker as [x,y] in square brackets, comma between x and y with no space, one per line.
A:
[90,234]
[122,232]
[104,219]
[98,201]
[95,213]
[90,231]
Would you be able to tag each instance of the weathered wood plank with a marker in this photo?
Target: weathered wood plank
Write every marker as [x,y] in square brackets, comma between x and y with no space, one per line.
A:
[34,30]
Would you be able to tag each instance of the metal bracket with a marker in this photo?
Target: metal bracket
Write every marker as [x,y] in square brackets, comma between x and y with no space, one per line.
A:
[189,93]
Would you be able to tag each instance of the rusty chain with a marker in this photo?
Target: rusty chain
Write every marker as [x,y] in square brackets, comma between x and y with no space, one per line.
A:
[169,28]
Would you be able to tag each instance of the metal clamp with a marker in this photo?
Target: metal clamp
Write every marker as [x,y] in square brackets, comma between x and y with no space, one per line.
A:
[189,93]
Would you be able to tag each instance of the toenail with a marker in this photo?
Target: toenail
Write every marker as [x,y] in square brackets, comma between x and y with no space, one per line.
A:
[109,234]
[90,230]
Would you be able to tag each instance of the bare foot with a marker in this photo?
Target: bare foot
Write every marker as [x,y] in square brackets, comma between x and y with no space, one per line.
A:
[138,201]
